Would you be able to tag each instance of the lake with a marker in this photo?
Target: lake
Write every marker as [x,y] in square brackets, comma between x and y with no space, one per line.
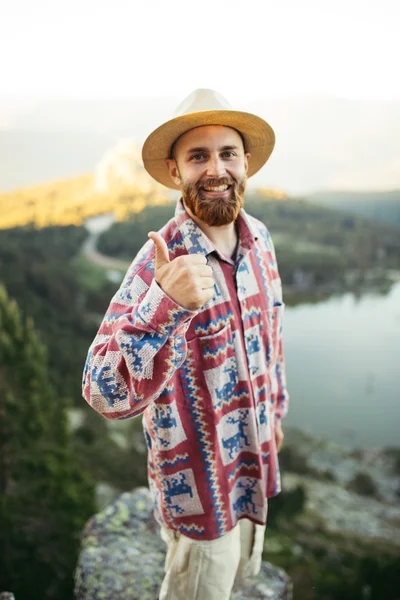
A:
[343,359]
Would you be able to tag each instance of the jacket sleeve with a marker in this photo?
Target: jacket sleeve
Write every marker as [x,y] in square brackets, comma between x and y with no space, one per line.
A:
[140,344]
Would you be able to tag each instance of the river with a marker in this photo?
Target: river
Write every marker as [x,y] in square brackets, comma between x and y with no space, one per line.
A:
[343,359]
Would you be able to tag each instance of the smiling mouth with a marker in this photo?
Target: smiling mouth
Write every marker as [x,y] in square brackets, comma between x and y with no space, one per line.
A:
[216,188]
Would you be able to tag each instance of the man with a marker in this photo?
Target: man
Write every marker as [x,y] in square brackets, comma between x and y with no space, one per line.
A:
[193,341]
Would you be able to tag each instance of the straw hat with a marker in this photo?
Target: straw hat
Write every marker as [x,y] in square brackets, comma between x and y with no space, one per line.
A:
[206,107]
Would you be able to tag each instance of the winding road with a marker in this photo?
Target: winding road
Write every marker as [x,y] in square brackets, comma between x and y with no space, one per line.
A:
[96,226]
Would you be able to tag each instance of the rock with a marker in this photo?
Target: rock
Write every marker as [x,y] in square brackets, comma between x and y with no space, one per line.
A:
[345,512]
[343,464]
[6,596]
[122,556]
[121,168]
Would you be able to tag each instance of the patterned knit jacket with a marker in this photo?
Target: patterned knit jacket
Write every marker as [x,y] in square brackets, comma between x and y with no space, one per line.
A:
[210,383]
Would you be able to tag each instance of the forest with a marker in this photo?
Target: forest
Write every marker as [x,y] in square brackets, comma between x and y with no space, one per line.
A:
[51,303]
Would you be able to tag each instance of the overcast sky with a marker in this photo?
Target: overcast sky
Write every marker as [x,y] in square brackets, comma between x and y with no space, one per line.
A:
[243,48]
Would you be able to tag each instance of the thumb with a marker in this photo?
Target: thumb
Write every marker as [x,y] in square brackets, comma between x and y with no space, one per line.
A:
[162,255]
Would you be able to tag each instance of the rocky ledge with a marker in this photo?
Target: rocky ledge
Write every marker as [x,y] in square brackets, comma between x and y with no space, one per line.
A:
[122,557]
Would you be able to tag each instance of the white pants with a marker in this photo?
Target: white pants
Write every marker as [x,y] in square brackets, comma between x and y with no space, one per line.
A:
[207,570]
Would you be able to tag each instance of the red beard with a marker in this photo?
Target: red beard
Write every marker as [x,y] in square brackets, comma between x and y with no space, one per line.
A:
[215,211]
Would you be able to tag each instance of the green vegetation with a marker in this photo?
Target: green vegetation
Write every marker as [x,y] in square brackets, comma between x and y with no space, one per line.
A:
[45,497]
[345,242]
[35,266]
[286,505]
[54,285]
[109,454]
[89,276]
[126,238]
[363,484]
[393,455]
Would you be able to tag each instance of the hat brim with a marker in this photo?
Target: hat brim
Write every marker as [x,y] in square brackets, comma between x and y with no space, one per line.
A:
[259,139]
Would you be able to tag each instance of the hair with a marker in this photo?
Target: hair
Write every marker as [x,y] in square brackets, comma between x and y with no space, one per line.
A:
[172,149]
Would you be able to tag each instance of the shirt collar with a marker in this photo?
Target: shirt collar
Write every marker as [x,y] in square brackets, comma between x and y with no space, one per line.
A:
[196,242]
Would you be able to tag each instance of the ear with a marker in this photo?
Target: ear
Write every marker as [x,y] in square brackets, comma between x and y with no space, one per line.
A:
[247,157]
[173,170]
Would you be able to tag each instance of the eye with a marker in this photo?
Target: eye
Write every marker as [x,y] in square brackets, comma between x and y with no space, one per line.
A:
[197,157]
[228,154]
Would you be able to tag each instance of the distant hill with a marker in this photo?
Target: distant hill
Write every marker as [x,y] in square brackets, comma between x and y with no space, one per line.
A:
[119,184]
[379,206]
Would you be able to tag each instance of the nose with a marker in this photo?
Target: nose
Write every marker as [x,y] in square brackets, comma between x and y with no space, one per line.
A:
[215,167]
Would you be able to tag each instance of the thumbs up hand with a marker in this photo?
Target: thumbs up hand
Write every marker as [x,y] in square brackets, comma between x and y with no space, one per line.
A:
[187,279]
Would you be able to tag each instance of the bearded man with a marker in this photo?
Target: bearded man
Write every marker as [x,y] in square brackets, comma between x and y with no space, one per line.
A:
[192,341]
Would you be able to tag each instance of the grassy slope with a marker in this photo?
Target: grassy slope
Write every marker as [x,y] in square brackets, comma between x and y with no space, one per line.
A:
[70,202]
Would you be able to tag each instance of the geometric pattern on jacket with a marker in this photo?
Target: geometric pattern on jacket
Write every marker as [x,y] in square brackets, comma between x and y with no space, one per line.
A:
[210,384]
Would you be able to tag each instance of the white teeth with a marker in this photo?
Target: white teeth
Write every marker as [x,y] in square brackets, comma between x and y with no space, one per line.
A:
[219,188]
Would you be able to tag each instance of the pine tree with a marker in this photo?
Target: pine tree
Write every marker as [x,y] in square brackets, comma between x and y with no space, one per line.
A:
[44,498]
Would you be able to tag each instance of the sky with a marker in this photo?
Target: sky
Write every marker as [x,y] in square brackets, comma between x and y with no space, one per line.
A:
[245,49]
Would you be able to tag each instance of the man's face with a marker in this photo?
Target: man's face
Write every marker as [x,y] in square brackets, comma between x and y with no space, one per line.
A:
[210,167]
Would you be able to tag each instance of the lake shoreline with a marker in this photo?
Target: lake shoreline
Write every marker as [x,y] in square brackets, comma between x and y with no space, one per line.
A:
[372,281]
